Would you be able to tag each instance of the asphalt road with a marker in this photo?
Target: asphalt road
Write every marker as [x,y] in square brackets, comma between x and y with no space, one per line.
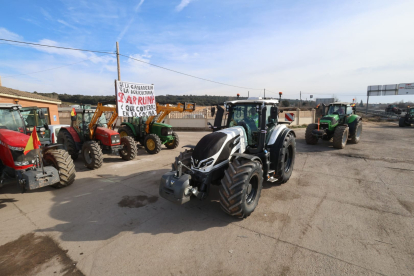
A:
[343,212]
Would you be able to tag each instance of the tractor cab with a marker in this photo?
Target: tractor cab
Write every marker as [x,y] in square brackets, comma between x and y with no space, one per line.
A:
[82,120]
[11,119]
[39,118]
[336,113]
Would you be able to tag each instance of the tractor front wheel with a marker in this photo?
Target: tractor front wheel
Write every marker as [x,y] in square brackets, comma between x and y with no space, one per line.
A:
[401,122]
[61,160]
[356,136]
[92,155]
[129,150]
[66,139]
[340,137]
[286,159]
[125,131]
[152,143]
[309,137]
[174,143]
[240,188]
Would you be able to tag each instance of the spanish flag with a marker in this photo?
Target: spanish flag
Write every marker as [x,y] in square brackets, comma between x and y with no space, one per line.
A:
[33,142]
[73,113]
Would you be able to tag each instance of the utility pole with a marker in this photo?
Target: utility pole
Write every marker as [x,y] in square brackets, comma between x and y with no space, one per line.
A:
[264,93]
[117,59]
[248,93]
[300,101]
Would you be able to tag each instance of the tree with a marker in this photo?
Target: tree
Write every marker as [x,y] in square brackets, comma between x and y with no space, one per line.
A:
[361,104]
[285,103]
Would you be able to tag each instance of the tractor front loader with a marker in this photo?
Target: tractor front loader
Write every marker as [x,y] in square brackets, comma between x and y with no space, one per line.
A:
[153,134]
[48,166]
[339,123]
[91,134]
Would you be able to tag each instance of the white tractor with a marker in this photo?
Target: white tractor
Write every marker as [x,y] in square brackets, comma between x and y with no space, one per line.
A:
[251,148]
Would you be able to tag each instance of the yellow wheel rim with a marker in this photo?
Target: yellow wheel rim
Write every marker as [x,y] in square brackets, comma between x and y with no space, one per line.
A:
[123,134]
[150,144]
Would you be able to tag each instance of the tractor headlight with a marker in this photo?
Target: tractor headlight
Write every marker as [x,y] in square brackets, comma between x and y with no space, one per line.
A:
[115,139]
[166,131]
[23,163]
[16,148]
[206,163]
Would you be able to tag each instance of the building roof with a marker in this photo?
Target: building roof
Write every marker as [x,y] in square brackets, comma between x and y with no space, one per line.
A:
[17,94]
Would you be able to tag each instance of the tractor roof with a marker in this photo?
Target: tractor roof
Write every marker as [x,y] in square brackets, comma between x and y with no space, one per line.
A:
[9,105]
[257,100]
[340,103]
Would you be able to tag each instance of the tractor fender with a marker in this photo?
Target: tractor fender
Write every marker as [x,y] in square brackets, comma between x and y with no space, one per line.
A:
[352,124]
[279,129]
[73,133]
[277,147]
[131,126]
[248,157]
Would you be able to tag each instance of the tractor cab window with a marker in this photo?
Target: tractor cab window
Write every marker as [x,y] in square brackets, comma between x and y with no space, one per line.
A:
[246,116]
[412,111]
[10,119]
[348,110]
[32,119]
[336,109]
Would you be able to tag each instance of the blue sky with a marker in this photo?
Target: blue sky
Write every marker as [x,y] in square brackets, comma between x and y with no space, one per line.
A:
[318,47]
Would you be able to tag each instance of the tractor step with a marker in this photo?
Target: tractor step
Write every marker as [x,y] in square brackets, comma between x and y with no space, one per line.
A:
[270,175]
[272,179]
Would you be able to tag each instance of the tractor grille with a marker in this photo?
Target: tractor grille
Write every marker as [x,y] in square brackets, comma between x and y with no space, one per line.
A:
[166,131]
[324,126]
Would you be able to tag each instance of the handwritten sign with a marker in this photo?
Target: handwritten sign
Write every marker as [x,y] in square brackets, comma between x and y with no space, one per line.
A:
[135,99]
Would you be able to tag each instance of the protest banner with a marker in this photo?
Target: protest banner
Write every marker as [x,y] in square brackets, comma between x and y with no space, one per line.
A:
[135,99]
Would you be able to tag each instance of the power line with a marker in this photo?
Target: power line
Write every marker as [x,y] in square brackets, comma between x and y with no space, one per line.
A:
[59,47]
[185,74]
[11,76]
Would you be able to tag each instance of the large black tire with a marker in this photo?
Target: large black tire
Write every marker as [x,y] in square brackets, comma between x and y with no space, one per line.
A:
[129,151]
[309,137]
[125,131]
[340,137]
[152,143]
[174,143]
[66,139]
[401,122]
[356,136]
[286,159]
[240,188]
[185,158]
[61,160]
[92,155]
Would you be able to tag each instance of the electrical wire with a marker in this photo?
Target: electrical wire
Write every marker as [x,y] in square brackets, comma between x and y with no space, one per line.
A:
[185,74]
[11,76]
[59,47]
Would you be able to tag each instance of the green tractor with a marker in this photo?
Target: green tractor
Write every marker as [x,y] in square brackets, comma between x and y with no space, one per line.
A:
[408,118]
[153,134]
[339,122]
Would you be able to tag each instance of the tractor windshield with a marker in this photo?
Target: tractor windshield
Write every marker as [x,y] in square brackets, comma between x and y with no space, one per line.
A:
[32,119]
[10,119]
[411,111]
[101,121]
[246,116]
[337,109]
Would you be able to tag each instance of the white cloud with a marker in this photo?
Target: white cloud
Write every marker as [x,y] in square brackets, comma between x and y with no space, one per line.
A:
[4,33]
[126,28]
[139,5]
[66,24]
[182,5]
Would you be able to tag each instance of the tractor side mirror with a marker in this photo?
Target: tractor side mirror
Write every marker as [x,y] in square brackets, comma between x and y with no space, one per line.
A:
[274,112]
[323,109]
[73,118]
[213,111]
[46,126]
[41,115]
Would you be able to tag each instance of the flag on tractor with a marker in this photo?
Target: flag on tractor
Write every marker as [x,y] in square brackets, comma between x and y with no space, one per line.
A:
[33,142]
[73,113]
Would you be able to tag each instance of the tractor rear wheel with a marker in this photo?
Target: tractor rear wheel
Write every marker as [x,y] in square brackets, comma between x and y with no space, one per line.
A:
[66,139]
[152,143]
[286,159]
[401,122]
[309,137]
[129,150]
[240,188]
[185,158]
[125,131]
[340,137]
[61,160]
[92,155]
[174,143]
[357,134]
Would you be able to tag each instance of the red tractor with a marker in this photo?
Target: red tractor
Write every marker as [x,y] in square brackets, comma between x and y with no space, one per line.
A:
[91,134]
[48,166]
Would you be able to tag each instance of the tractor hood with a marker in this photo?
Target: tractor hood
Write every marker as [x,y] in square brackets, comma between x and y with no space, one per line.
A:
[330,119]
[105,131]
[161,125]
[13,138]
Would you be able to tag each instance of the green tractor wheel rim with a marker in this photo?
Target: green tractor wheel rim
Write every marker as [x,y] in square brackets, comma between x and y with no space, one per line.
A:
[123,134]
[150,144]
